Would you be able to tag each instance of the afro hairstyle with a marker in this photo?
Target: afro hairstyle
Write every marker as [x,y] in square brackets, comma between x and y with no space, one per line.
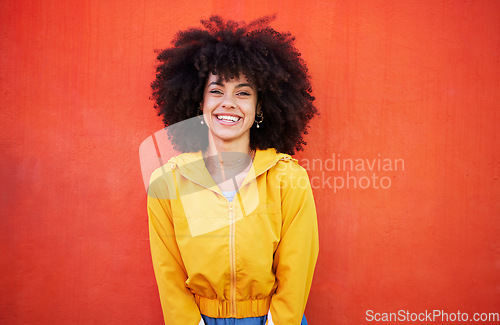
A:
[229,49]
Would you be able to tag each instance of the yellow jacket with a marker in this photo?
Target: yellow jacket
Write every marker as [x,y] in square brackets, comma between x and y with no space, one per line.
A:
[233,259]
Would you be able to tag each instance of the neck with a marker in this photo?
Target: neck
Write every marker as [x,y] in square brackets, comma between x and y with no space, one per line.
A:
[219,146]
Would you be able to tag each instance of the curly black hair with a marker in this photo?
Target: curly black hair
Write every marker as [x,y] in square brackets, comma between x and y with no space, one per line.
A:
[229,49]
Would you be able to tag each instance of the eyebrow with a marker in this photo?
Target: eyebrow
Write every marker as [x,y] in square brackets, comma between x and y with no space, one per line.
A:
[219,83]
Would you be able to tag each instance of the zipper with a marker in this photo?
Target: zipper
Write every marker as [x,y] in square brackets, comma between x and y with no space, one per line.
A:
[232,243]
[232,257]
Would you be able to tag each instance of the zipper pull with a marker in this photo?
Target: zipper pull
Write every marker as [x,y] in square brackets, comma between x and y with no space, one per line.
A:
[231,212]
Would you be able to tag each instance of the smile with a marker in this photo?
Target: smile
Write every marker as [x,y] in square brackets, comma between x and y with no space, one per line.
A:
[228,118]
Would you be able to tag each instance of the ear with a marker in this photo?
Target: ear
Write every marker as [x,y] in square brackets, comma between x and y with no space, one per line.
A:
[259,107]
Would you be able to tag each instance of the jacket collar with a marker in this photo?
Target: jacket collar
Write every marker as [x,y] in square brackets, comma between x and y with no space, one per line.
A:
[192,166]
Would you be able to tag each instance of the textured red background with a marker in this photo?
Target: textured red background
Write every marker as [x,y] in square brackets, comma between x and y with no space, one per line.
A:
[413,80]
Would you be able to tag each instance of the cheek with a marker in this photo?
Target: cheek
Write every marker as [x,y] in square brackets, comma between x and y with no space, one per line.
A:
[252,111]
[208,105]
[250,116]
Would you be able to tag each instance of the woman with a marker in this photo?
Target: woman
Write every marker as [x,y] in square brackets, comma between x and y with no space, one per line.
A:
[233,226]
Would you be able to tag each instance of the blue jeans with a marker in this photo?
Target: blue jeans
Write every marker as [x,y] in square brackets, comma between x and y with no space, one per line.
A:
[241,321]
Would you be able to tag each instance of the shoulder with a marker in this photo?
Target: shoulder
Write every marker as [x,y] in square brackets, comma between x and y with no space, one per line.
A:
[272,160]
[290,166]
[174,162]
[288,172]
[163,170]
[164,175]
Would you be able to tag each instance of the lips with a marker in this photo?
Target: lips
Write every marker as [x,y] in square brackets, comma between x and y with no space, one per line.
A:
[228,118]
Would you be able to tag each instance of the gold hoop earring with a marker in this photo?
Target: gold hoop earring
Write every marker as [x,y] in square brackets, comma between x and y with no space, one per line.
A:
[261,118]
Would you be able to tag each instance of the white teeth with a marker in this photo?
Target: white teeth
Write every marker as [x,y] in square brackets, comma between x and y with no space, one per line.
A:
[228,118]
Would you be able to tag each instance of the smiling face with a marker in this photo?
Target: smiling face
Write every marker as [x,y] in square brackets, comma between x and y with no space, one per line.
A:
[229,109]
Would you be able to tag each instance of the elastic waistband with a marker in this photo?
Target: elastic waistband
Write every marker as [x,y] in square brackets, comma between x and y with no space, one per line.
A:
[222,308]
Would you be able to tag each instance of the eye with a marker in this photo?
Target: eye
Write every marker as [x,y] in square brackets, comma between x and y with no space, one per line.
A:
[216,91]
[243,93]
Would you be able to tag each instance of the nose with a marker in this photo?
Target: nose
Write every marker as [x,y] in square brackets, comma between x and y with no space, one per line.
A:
[228,101]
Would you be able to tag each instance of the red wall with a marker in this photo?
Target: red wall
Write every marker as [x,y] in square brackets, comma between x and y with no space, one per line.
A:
[412,82]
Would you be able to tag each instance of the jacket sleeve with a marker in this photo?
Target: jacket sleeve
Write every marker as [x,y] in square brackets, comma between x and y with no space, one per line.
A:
[177,301]
[297,251]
